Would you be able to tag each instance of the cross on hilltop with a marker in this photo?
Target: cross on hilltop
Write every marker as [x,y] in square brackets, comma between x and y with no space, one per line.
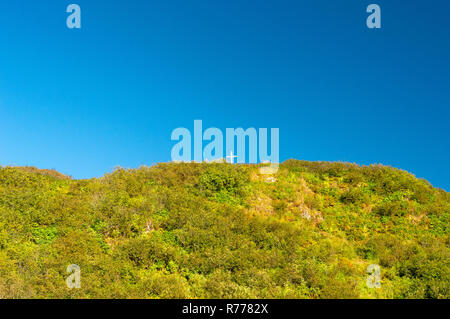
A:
[231,157]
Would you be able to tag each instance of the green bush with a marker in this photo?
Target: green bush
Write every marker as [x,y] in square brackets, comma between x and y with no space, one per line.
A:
[197,230]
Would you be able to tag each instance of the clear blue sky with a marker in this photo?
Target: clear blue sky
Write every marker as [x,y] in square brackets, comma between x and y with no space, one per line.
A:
[84,101]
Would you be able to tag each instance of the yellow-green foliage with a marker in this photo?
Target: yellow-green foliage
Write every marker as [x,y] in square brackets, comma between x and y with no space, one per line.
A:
[224,231]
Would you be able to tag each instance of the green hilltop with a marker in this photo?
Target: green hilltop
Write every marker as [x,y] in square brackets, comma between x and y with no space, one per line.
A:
[198,230]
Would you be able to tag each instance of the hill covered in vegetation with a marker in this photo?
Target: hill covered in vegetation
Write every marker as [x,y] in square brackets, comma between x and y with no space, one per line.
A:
[224,231]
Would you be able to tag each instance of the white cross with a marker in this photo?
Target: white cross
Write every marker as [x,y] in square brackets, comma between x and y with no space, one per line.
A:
[231,157]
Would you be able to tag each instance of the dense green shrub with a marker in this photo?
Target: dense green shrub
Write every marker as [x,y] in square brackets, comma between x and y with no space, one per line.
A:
[193,230]
[396,208]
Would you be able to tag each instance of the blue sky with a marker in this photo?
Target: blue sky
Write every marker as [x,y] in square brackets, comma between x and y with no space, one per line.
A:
[84,101]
